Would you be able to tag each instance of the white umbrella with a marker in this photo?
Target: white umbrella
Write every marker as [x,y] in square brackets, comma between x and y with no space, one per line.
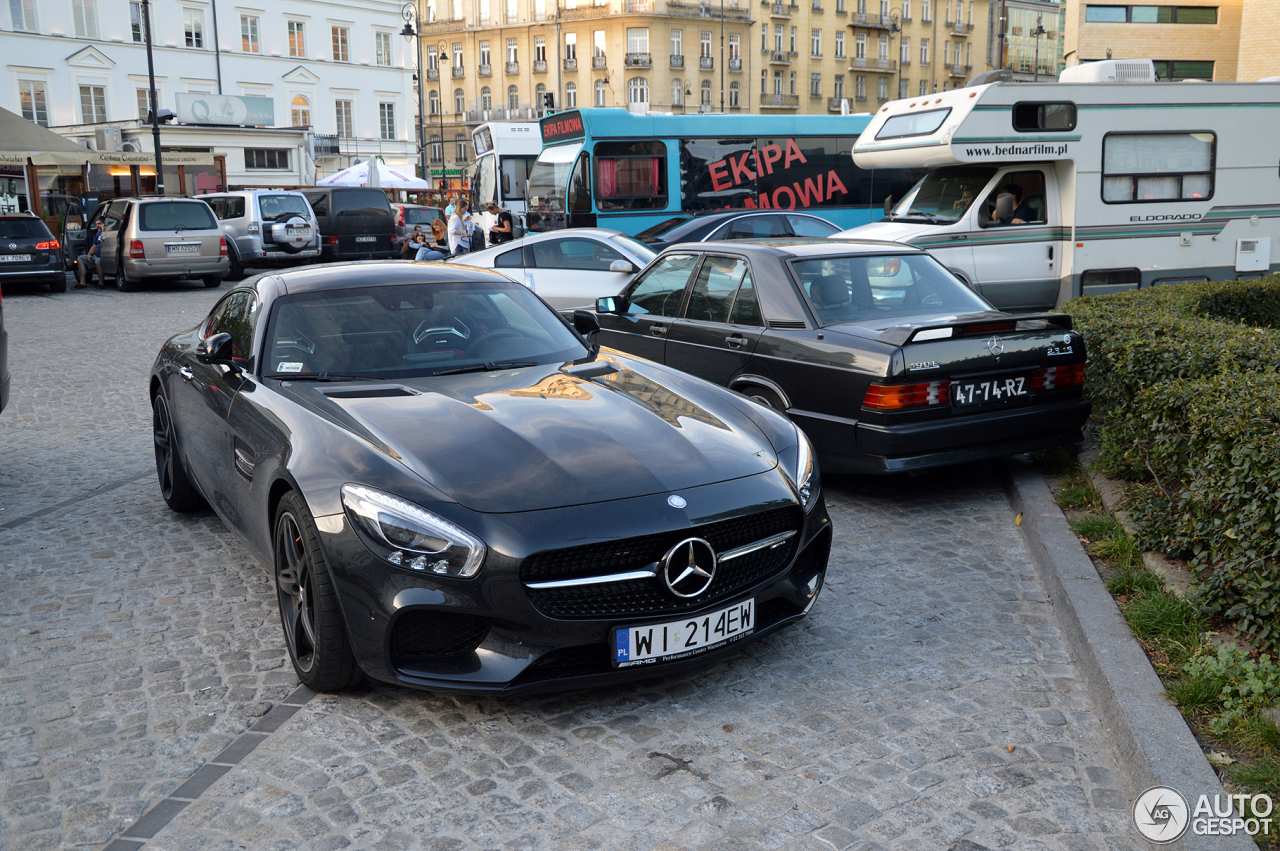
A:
[374,173]
[371,169]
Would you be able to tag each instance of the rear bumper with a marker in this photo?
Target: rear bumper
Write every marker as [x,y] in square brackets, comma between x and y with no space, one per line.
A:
[329,254]
[39,273]
[849,446]
[137,269]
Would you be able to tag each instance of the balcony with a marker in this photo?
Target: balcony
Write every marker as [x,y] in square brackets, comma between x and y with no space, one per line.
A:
[539,66]
[706,10]
[860,97]
[863,63]
[677,62]
[706,63]
[513,68]
[598,63]
[486,70]
[582,13]
[571,64]
[326,146]
[638,60]
[871,19]
[779,57]
[882,97]
[905,62]
[432,74]
[637,7]
[438,27]
[961,29]
[735,63]
[485,20]
[459,72]
[780,10]
[960,70]
[779,101]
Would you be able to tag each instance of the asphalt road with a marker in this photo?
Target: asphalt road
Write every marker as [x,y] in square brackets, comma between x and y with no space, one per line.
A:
[927,703]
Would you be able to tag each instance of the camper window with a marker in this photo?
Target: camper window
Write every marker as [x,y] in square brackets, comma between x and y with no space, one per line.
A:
[913,124]
[1035,117]
[1147,167]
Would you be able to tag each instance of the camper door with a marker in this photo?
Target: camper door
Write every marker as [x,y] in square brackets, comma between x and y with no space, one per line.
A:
[1017,247]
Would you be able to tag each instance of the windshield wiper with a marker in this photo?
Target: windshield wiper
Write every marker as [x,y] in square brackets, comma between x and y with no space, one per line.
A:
[930,216]
[322,376]
[488,366]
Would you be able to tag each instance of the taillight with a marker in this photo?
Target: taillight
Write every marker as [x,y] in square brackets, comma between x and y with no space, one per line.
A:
[48,246]
[222,247]
[989,328]
[330,240]
[1057,377]
[400,216]
[136,251]
[897,397]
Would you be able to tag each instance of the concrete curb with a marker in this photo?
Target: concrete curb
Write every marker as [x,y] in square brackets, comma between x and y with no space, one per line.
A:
[1155,745]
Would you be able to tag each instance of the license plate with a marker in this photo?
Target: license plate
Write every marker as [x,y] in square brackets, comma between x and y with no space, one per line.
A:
[366,239]
[679,639]
[183,249]
[983,391]
[297,231]
[15,258]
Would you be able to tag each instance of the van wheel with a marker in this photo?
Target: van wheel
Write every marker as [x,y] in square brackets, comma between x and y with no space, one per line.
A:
[213,281]
[123,284]
[235,271]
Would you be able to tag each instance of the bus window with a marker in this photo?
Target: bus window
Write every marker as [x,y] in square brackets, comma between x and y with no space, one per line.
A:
[515,177]
[580,186]
[631,176]
[716,173]
[802,172]
[486,182]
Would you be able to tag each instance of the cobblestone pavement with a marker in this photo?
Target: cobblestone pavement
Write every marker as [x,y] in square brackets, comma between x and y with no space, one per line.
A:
[927,703]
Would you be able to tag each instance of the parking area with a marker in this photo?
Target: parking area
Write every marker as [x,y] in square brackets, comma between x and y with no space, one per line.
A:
[928,702]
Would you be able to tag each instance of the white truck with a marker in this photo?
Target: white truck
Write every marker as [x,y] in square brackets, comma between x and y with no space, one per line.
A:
[1039,192]
[505,151]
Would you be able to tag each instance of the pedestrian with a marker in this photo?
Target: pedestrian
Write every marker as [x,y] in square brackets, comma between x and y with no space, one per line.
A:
[413,242]
[90,258]
[504,230]
[437,247]
[459,240]
[448,211]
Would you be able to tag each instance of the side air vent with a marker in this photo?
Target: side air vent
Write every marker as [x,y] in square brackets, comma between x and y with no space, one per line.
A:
[786,324]
[371,393]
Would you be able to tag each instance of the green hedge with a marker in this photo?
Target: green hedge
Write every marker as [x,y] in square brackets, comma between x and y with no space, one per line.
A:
[1187,402]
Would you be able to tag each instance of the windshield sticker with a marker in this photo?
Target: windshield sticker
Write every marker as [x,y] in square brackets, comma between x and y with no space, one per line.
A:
[289,366]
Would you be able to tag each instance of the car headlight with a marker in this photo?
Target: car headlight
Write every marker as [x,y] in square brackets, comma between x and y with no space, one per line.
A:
[805,476]
[407,535]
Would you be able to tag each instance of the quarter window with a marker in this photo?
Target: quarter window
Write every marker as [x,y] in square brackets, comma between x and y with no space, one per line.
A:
[660,291]
[714,289]
[1139,167]
[631,175]
[579,254]
[236,316]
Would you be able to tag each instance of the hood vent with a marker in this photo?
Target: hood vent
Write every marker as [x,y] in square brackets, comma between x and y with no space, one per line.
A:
[371,393]
[786,324]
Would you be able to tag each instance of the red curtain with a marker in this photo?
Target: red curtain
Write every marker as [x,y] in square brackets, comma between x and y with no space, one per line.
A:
[608,178]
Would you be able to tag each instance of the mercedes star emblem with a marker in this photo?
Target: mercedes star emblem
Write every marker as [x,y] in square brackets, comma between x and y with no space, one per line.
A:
[995,345]
[676,501]
[689,567]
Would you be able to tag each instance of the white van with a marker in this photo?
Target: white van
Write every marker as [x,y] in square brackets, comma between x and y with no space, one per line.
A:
[1106,185]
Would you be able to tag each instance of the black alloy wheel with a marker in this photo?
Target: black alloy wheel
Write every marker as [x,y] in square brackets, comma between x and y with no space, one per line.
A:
[766,397]
[313,627]
[175,487]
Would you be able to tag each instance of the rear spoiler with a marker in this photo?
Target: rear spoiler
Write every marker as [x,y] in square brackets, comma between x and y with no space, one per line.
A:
[904,334]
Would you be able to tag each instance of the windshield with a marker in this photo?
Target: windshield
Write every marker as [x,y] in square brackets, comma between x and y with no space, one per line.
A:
[414,330]
[515,177]
[639,249]
[485,181]
[858,288]
[549,177]
[944,195]
[655,233]
[281,206]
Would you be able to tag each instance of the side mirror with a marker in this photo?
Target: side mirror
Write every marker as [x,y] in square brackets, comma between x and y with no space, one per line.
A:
[611,304]
[888,204]
[215,349]
[625,267]
[585,322]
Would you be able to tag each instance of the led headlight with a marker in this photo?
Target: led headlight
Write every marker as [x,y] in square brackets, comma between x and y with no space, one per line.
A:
[805,476]
[409,536]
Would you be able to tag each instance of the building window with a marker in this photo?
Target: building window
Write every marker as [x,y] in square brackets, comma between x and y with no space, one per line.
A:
[860,46]
[902,89]
[882,88]
[193,27]
[946,53]
[734,93]
[387,121]
[249,33]
[815,42]
[1151,14]
[570,95]
[705,44]
[433,102]
[598,43]
[926,12]
[297,39]
[637,90]
[860,88]
[340,51]
[135,19]
[637,40]
[93,104]
[486,98]
[764,37]
[24,15]
[460,148]
[457,55]
[705,89]
[459,101]
[511,51]
[144,103]
[1157,167]
[539,97]
[924,51]
[484,54]
[539,48]
[485,16]
[84,18]
[883,46]
[513,97]
[437,149]
[300,112]
[601,97]
[906,10]
[342,114]
[266,158]
[571,47]
[792,81]
[924,88]
[735,47]
[764,82]
[382,48]
[840,45]
[793,41]
[1184,69]
[815,85]
[511,11]
[677,42]
[839,86]
[31,95]
[677,92]
[904,51]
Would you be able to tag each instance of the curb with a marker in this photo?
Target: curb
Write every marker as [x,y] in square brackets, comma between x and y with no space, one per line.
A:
[1155,745]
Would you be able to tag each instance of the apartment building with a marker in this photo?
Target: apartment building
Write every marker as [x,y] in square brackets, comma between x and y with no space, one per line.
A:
[1026,37]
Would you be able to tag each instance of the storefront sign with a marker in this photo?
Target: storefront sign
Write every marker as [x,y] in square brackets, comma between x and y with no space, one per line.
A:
[195,108]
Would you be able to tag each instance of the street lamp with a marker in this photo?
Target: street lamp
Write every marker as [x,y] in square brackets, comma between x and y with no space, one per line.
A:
[1037,32]
[440,49]
[412,26]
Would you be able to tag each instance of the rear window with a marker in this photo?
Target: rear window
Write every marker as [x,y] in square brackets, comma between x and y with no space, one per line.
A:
[282,206]
[421,215]
[22,229]
[361,202]
[913,124]
[858,288]
[177,215]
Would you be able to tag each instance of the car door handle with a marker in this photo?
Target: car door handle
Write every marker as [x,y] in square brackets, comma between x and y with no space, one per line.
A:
[736,341]
[186,373]
[658,330]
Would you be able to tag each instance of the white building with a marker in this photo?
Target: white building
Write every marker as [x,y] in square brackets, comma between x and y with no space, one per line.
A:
[338,79]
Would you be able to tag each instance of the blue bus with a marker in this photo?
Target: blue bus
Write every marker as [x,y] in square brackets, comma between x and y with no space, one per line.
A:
[610,168]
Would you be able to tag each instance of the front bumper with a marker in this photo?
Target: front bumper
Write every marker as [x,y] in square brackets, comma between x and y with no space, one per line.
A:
[493,636]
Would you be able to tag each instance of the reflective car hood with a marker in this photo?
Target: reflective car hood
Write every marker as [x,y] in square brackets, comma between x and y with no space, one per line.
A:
[891,231]
[538,437]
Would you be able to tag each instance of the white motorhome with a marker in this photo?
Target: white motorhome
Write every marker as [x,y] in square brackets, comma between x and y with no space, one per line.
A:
[505,151]
[1106,185]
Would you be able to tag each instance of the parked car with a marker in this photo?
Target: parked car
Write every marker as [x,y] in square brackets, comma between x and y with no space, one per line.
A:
[409,215]
[735,224]
[265,227]
[4,359]
[355,223]
[454,491]
[568,268]
[29,252]
[885,359]
[161,237]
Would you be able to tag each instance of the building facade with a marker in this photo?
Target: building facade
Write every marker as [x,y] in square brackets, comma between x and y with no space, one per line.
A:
[1026,37]
[333,84]
[1194,40]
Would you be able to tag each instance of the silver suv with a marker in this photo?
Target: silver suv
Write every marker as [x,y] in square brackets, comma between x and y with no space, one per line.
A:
[265,227]
[161,237]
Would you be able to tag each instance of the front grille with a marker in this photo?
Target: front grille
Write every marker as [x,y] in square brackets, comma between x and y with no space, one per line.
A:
[647,597]
[436,635]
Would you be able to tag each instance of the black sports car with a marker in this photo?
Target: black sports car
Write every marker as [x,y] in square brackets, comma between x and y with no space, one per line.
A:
[455,491]
[885,359]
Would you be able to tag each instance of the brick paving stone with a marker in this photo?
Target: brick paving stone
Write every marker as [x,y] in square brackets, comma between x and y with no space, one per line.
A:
[139,644]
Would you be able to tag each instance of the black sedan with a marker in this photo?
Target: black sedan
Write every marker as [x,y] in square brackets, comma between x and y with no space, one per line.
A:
[736,224]
[453,490]
[884,358]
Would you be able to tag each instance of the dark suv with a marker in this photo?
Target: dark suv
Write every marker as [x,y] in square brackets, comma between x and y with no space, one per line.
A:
[29,252]
[355,222]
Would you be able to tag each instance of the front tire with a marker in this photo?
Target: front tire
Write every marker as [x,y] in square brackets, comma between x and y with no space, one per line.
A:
[178,491]
[313,628]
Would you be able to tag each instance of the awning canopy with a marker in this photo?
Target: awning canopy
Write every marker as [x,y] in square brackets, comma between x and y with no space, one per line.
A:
[380,174]
[21,140]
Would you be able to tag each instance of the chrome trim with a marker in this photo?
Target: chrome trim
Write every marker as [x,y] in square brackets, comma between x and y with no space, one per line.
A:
[757,546]
[747,379]
[648,573]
